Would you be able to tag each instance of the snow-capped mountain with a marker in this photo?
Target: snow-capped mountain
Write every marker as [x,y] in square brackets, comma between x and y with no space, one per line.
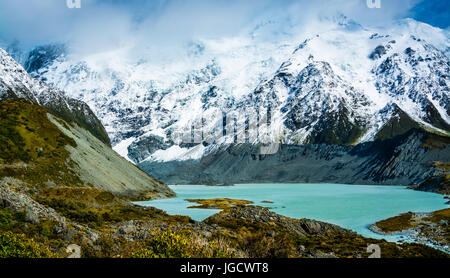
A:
[16,83]
[343,85]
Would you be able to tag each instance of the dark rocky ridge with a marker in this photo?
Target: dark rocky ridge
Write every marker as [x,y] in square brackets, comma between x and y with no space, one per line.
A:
[43,56]
[406,159]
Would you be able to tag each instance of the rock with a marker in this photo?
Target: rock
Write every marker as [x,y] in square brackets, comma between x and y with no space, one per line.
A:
[321,255]
[142,148]
[69,234]
[263,215]
[31,216]
[378,52]
[311,227]
[75,251]
[128,229]
[12,196]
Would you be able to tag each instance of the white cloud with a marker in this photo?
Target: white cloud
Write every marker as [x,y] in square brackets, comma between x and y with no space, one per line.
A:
[167,25]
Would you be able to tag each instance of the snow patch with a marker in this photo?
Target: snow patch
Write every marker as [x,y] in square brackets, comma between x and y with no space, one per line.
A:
[122,148]
[177,153]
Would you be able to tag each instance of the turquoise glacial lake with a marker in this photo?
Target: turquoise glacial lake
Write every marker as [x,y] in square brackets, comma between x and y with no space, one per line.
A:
[354,207]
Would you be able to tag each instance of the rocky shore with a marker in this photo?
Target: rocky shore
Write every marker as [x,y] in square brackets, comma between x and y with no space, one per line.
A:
[426,228]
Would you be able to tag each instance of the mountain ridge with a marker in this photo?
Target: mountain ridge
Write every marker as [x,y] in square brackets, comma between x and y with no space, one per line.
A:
[347,85]
[401,69]
[15,83]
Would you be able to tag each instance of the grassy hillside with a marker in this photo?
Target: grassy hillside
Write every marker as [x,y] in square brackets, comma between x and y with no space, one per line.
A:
[32,148]
[41,149]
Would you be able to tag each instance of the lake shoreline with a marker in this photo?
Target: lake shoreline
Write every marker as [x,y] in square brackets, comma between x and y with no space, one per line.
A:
[426,228]
[259,193]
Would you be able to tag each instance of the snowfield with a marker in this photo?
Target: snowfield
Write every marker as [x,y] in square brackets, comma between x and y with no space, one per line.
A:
[345,76]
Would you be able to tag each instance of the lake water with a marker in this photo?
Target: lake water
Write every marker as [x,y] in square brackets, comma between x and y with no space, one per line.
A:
[354,207]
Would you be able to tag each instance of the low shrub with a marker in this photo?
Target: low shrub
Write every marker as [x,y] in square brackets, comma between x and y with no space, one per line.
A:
[19,246]
[179,245]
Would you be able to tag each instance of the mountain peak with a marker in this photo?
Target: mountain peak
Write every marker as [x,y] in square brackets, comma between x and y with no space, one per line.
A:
[43,56]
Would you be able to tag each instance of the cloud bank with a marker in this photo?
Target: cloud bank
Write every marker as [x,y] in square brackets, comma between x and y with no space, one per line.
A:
[102,25]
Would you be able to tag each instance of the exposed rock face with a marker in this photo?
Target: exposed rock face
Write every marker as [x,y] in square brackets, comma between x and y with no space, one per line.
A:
[11,197]
[369,85]
[343,120]
[43,150]
[98,165]
[378,52]
[42,57]
[420,74]
[140,149]
[406,159]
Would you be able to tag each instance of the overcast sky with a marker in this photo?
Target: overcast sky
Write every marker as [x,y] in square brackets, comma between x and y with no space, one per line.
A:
[101,24]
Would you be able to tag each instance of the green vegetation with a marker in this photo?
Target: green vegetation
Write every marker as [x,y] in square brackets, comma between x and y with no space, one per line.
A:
[436,141]
[397,223]
[432,227]
[8,218]
[98,208]
[261,243]
[33,150]
[402,123]
[351,246]
[397,125]
[43,232]
[440,216]
[183,245]
[19,246]
[265,240]
[440,182]
[283,240]
[219,203]
[339,130]
[444,168]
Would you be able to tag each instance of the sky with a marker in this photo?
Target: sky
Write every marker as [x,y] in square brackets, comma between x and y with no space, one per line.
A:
[100,25]
[433,12]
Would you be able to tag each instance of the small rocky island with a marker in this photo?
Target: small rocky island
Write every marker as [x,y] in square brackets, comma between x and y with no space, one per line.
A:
[218,203]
